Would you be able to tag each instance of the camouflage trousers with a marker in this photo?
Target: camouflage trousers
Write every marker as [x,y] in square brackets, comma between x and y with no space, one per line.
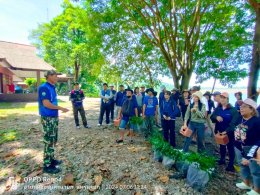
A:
[50,130]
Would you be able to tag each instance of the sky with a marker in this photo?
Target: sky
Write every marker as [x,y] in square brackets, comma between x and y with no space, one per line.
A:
[19,17]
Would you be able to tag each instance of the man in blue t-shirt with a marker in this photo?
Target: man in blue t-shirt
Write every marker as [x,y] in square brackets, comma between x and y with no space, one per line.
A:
[128,110]
[105,96]
[48,109]
[150,111]
[77,97]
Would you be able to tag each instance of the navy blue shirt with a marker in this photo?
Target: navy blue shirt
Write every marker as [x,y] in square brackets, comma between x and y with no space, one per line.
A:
[169,108]
[47,91]
[230,118]
[119,98]
[135,105]
[76,97]
[161,98]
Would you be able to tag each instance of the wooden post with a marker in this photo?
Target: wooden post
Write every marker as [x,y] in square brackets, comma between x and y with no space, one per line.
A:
[38,79]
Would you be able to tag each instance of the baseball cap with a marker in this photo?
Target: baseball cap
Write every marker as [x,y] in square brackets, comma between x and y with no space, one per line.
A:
[216,93]
[224,94]
[51,72]
[250,102]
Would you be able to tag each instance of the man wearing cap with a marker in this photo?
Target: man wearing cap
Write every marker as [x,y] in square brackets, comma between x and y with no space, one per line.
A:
[225,116]
[112,102]
[48,109]
[150,111]
[77,97]
[105,96]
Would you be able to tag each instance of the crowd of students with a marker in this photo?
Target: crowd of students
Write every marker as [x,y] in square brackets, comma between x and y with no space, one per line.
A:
[240,123]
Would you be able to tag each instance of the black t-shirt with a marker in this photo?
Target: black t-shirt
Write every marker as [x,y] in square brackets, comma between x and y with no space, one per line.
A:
[247,133]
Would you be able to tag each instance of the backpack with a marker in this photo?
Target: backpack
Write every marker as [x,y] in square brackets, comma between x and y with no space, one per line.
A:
[127,107]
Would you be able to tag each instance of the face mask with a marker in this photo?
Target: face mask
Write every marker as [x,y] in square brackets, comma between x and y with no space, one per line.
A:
[129,96]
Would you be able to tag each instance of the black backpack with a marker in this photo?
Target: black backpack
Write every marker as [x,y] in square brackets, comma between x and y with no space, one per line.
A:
[127,107]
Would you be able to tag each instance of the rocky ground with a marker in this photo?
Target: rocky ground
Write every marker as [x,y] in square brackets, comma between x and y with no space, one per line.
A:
[92,162]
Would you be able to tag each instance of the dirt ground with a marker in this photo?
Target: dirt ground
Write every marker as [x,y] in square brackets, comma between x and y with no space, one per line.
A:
[92,158]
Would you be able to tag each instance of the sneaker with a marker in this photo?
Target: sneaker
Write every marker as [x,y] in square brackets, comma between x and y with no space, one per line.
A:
[119,141]
[56,162]
[231,169]
[243,186]
[77,127]
[253,192]
[221,162]
[99,125]
[51,169]
[87,127]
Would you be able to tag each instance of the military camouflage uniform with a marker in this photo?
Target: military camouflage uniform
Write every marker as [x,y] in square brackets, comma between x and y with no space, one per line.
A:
[50,130]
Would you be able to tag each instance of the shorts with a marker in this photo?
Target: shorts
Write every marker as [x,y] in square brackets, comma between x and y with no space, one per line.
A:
[123,124]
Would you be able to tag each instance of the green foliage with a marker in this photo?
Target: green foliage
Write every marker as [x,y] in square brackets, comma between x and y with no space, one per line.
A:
[205,162]
[174,37]
[8,135]
[33,81]
[136,120]
[68,42]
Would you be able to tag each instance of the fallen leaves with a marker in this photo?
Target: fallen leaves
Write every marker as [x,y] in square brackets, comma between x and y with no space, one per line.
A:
[97,182]
[68,180]
[164,179]
[12,153]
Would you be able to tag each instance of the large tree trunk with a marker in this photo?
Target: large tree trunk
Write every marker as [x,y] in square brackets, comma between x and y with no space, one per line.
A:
[255,64]
[76,67]
[185,81]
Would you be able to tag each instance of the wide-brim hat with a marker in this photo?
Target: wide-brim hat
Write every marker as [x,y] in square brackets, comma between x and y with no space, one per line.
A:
[198,94]
[149,89]
[129,89]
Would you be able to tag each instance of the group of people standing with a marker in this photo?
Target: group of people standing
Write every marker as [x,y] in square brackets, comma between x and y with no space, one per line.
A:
[240,123]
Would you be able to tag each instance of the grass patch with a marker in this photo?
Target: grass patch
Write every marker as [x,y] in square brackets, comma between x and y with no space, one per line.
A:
[8,135]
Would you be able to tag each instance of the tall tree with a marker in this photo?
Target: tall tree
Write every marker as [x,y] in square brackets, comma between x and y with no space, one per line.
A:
[255,64]
[178,28]
[67,42]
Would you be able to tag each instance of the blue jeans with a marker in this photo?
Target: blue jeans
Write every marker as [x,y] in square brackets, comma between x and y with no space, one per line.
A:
[251,172]
[123,124]
[200,129]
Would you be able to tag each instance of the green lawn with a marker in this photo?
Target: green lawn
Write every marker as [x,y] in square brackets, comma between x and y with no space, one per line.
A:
[7,108]
[8,135]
